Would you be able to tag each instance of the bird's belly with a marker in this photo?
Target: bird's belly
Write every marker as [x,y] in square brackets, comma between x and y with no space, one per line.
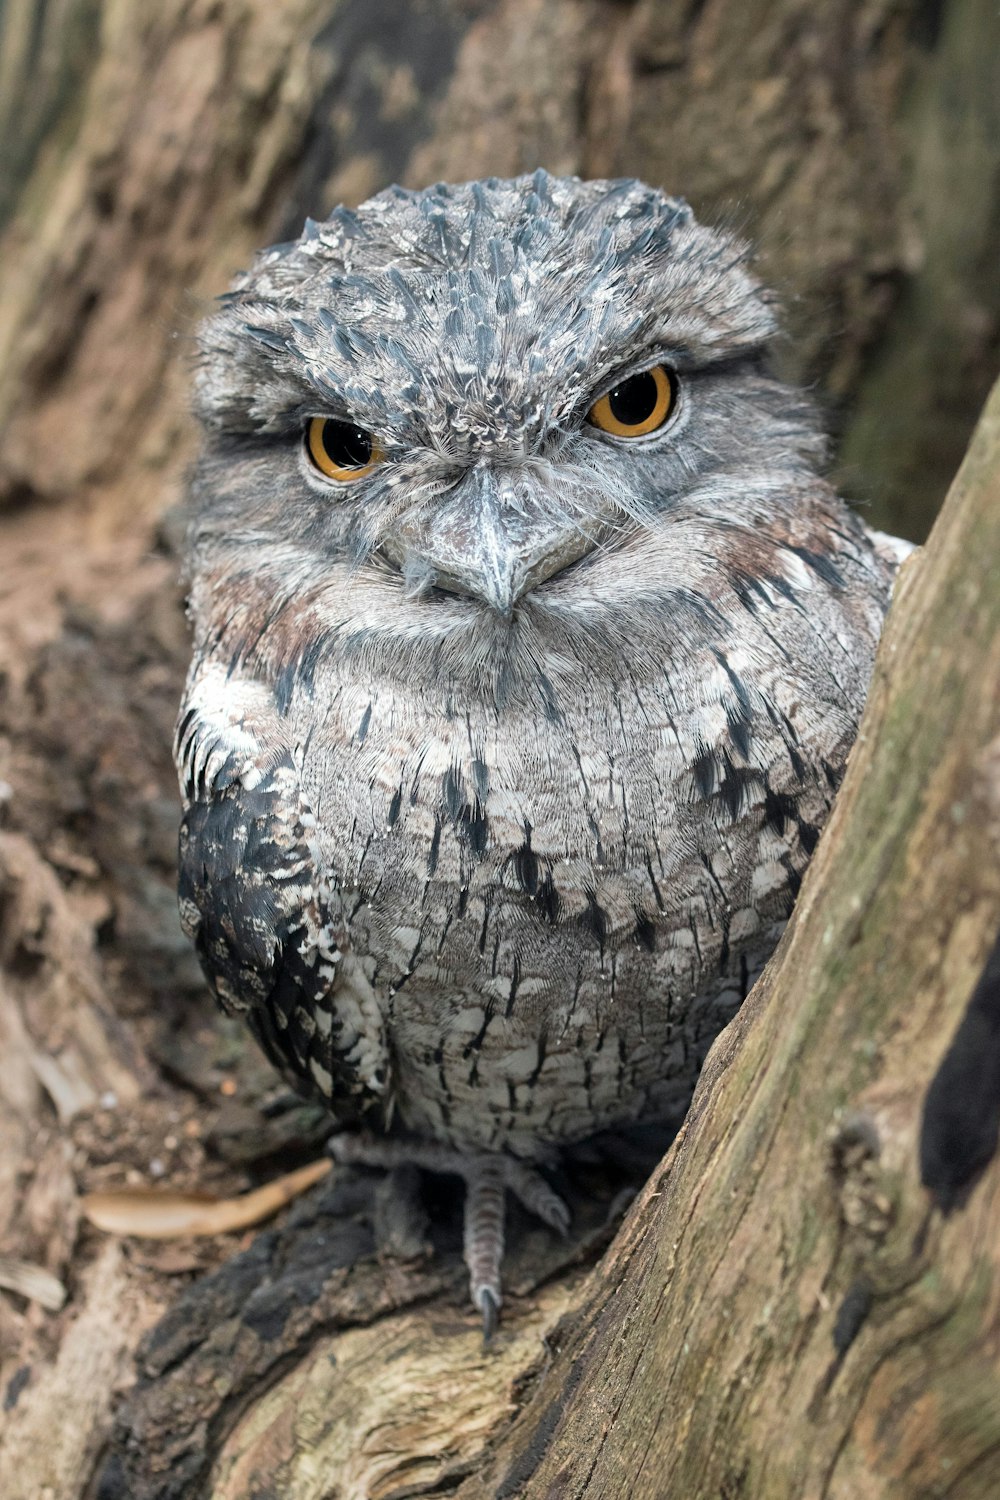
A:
[611,1047]
[517,1020]
[555,933]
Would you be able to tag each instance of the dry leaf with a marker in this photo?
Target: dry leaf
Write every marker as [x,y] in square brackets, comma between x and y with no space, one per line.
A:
[159,1214]
[33,1282]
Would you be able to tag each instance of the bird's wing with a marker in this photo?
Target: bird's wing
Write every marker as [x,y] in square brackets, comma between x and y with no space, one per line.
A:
[265,916]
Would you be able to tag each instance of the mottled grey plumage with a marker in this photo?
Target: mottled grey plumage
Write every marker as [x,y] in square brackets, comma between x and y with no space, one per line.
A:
[502,764]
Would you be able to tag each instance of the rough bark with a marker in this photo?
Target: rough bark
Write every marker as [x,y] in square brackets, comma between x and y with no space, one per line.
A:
[148,150]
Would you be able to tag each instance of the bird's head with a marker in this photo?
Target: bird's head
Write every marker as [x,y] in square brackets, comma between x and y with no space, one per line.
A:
[451,411]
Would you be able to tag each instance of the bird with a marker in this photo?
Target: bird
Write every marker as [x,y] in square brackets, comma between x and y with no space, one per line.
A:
[529,644]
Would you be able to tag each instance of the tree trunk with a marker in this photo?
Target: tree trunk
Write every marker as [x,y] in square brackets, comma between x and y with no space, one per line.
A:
[148,151]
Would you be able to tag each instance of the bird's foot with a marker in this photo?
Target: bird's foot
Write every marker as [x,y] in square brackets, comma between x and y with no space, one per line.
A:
[487,1177]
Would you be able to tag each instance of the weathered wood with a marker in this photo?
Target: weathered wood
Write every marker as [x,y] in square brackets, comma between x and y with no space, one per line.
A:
[304,1358]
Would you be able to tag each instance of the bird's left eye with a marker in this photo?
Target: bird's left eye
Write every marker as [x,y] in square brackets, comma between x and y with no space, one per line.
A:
[340,450]
[640,404]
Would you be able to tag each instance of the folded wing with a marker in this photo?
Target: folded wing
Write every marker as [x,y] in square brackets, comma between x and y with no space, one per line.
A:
[265,916]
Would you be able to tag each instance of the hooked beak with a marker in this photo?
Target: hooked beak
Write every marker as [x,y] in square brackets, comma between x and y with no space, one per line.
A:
[490,539]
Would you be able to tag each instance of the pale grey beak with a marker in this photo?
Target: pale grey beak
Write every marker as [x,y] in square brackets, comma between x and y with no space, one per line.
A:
[489,538]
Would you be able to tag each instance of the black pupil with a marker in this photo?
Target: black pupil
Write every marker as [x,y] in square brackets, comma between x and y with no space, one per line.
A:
[635,401]
[347,446]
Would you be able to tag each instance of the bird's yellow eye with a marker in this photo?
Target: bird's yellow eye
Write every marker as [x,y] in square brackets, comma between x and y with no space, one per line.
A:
[340,450]
[641,404]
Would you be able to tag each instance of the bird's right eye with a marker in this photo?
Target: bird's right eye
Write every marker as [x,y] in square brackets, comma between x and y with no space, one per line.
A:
[340,450]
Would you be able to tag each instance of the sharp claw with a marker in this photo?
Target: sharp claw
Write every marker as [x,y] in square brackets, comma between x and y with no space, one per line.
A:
[536,1195]
[489,1306]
